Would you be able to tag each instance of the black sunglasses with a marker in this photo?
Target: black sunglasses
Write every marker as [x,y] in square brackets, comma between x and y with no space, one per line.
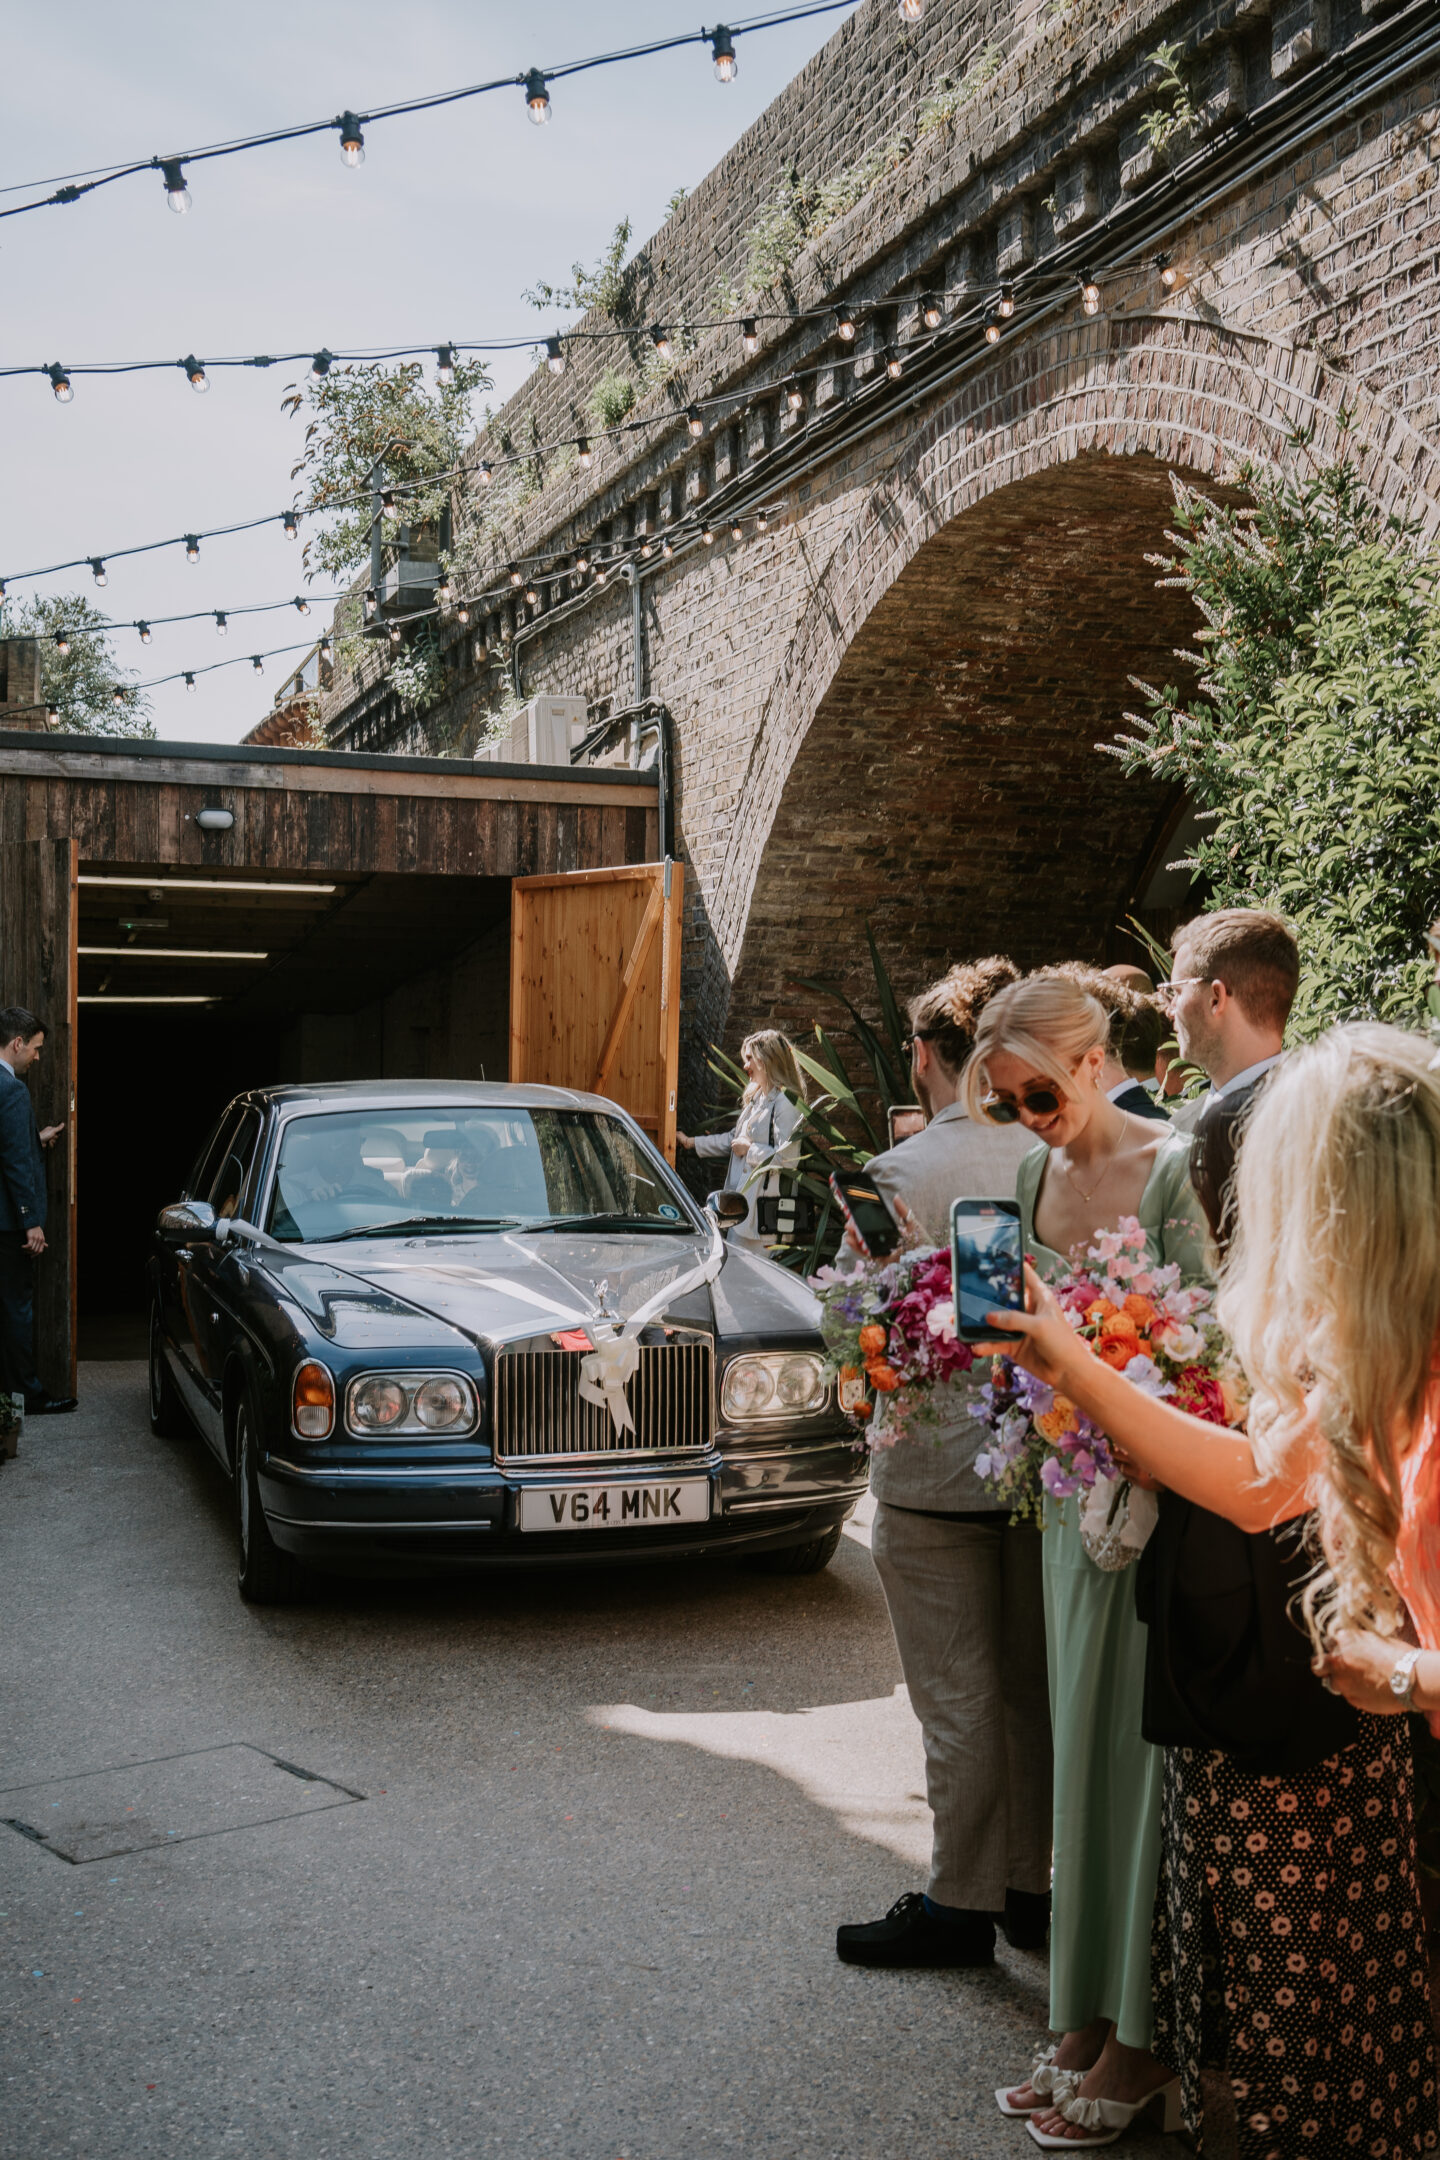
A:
[1040,1102]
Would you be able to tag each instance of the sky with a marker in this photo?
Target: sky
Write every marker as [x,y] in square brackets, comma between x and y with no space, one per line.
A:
[436,236]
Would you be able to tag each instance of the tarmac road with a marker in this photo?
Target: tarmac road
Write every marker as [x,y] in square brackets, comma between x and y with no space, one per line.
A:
[584,1909]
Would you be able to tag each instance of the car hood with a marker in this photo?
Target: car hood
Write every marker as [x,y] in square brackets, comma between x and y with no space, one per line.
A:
[500,1286]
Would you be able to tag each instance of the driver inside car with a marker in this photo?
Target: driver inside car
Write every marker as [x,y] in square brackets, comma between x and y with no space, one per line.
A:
[330,1164]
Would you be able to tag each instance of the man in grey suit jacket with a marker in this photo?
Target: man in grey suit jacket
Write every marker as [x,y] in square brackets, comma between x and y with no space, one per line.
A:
[963,1585]
[22,1210]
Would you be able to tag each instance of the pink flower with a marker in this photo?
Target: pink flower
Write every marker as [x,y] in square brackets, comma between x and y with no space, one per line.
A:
[1200,1393]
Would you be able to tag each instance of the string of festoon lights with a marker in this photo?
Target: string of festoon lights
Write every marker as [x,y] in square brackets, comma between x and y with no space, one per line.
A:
[350,126]
[995,313]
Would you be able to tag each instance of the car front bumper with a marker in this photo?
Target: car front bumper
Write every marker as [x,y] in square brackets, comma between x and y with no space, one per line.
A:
[404,1521]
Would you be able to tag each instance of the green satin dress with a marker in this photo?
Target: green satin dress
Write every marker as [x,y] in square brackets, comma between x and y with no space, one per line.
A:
[1107,1779]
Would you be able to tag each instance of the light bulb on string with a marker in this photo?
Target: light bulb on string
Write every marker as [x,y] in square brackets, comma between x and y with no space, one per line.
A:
[516,576]
[722,49]
[532,594]
[794,396]
[707,538]
[582,559]
[144,630]
[52,714]
[992,329]
[117,695]
[845,324]
[667,548]
[326,651]
[749,336]
[59,383]
[910,10]
[172,173]
[257,664]
[189,680]
[762,521]
[647,549]
[737,531]
[585,457]
[486,471]
[395,633]
[194,373]
[660,339]
[537,97]
[302,605]
[387,503]
[352,140]
[290,524]
[192,547]
[932,311]
[222,623]
[371,603]
[601,574]
[554,356]
[695,421]
[462,615]
[62,642]
[1005,305]
[894,365]
[445,365]
[320,365]
[98,571]
[445,589]
[1089,293]
[1170,275]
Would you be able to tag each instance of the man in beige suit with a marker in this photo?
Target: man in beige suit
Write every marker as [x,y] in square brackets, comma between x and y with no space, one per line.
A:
[963,1586]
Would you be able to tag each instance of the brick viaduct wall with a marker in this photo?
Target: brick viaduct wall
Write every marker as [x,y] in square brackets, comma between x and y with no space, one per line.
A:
[886,705]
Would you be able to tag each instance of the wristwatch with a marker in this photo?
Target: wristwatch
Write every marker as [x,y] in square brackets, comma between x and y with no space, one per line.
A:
[1402,1677]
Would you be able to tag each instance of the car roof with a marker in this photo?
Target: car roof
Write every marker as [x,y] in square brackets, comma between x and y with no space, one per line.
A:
[296,1098]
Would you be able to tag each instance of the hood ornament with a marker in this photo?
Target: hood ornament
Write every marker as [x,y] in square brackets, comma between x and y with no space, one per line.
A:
[600,1291]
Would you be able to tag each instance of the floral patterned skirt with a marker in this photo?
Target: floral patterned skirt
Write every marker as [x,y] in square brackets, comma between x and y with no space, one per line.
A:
[1289,1951]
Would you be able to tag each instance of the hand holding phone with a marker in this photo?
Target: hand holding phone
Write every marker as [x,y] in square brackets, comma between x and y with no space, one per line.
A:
[987,1256]
[866,1211]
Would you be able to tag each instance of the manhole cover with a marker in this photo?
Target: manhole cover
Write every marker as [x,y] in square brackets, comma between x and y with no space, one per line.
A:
[104,1813]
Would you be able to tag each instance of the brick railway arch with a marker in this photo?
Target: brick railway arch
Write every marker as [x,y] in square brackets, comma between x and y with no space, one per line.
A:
[926,755]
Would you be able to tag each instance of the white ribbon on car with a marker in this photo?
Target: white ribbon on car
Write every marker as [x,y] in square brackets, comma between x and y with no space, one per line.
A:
[607,1369]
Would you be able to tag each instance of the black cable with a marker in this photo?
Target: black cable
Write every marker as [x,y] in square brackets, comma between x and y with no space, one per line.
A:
[76,185]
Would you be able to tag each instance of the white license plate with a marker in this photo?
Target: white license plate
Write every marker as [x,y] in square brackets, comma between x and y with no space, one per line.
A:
[614,1507]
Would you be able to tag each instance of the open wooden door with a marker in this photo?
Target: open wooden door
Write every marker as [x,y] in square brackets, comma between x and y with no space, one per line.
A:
[595,987]
[38,969]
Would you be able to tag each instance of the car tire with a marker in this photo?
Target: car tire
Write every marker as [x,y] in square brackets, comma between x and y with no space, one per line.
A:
[265,1575]
[169,1419]
[808,1559]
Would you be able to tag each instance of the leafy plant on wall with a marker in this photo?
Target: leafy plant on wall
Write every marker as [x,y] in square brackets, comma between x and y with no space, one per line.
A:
[1310,741]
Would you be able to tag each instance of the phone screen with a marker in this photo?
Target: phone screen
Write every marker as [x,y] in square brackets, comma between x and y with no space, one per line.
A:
[864,1207]
[904,1121]
[986,1254]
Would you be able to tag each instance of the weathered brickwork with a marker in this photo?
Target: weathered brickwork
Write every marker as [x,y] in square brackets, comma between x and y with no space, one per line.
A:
[886,706]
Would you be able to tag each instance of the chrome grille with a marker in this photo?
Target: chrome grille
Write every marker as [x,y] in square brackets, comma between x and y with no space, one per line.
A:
[540,1416]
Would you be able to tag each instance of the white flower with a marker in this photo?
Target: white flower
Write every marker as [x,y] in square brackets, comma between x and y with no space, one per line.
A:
[1142,1372]
[940,1320]
[1185,1344]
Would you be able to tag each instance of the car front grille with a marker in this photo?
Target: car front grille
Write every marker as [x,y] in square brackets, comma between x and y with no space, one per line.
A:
[541,1417]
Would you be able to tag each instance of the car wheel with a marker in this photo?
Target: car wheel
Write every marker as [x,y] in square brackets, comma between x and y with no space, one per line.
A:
[807,1559]
[168,1418]
[266,1575]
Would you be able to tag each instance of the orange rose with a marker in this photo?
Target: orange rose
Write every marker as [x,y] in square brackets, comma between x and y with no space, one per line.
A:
[872,1339]
[863,1410]
[1119,1327]
[883,1377]
[1140,1310]
[1057,1422]
[1100,1310]
[1116,1351]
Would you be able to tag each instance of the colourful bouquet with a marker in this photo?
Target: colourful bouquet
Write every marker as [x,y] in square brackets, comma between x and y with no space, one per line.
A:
[1142,1321]
[890,1332]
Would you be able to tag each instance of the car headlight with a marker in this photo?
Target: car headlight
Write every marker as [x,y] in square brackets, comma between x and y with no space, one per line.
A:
[785,1384]
[412,1402]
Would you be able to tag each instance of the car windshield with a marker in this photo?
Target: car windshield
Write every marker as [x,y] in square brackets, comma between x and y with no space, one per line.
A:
[392,1171]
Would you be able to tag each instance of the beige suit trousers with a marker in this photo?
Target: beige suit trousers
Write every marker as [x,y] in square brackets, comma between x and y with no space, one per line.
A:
[968,1610]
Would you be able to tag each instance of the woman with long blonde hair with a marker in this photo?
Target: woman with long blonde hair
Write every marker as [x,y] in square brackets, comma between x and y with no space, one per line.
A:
[764,1140]
[1331,1296]
[1039,1059]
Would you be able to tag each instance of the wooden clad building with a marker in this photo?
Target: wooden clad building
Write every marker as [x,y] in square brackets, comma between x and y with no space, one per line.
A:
[190,920]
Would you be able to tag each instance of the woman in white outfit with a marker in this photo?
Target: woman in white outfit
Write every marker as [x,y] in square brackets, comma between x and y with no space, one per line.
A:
[764,1139]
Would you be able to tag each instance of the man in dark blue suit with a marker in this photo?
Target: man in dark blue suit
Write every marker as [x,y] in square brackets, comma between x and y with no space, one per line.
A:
[22,1210]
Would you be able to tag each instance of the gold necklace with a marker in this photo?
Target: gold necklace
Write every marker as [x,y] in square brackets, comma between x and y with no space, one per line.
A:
[1088,1196]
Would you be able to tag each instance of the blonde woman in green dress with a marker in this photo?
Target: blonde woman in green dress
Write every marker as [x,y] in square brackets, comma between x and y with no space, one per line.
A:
[1038,1059]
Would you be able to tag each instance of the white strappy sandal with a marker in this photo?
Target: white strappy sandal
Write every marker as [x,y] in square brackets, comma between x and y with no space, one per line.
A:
[1047,2083]
[1106,2120]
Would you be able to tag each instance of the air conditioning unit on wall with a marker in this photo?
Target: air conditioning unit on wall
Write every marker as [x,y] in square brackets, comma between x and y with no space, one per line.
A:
[542,733]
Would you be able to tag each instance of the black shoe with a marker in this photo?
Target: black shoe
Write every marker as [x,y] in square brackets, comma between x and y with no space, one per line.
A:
[50,1405]
[1025,1921]
[909,1935]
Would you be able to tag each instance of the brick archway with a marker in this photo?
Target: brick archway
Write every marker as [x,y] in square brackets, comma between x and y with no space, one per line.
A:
[926,753]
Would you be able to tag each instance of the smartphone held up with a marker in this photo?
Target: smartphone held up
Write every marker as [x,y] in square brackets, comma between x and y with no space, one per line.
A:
[866,1212]
[987,1259]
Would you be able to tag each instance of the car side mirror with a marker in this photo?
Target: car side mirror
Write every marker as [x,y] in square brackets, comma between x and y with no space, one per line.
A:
[728,1207]
[188,1222]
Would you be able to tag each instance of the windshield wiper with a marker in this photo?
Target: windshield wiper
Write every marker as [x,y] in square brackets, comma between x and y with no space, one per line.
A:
[420,1222]
[611,1222]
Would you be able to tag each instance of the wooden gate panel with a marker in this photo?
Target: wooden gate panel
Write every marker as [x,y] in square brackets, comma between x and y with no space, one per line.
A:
[595,987]
[38,969]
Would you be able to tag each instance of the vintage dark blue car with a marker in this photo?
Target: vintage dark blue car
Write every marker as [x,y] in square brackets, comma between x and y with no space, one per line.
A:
[373,1299]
